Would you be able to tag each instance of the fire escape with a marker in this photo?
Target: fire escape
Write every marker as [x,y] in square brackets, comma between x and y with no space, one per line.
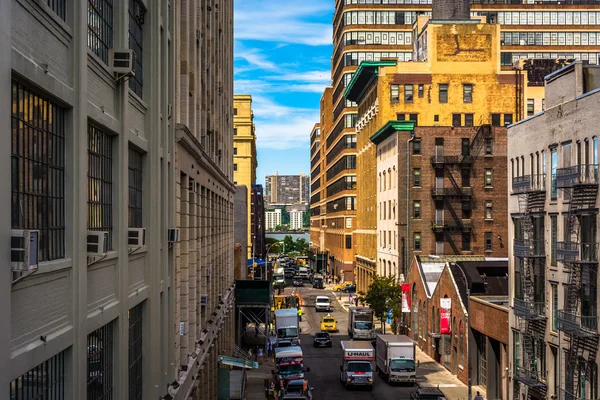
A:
[450,198]
[529,306]
[579,255]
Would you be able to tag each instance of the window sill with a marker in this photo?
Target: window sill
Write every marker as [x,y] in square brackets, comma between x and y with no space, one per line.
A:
[489,251]
[488,219]
[488,188]
[54,265]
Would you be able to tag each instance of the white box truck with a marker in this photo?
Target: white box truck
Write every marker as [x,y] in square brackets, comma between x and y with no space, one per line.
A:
[360,323]
[356,367]
[279,276]
[396,358]
[286,326]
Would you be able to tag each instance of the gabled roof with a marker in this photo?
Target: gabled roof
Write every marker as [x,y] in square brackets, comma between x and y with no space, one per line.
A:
[390,128]
[430,272]
[366,72]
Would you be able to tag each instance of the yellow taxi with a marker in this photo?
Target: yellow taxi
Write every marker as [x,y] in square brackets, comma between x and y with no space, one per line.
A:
[339,287]
[328,324]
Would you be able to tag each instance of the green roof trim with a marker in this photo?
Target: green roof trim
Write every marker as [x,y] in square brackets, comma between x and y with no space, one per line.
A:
[391,127]
[365,69]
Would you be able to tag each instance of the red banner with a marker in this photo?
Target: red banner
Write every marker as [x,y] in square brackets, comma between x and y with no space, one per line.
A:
[445,315]
[405,297]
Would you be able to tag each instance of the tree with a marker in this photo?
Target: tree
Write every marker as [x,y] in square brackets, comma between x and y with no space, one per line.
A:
[306,220]
[288,242]
[301,246]
[270,241]
[383,294]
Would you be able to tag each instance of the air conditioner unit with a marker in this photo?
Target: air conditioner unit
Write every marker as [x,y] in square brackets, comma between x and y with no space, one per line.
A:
[24,247]
[136,237]
[121,61]
[173,235]
[97,243]
[203,299]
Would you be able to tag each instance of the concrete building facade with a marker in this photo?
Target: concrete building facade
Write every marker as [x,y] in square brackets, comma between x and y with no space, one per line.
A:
[272,219]
[241,218]
[257,211]
[91,165]
[296,219]
[245,159]
[287,189]
[553,241]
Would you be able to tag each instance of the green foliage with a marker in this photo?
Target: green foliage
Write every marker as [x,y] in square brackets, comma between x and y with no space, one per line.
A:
[285,217]
[270,240]
[306,219]
[301,246]
[383,293]
[288,242]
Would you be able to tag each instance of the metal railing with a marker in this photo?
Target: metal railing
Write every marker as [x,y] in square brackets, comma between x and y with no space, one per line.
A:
[447,159]
[529,183]
[582,174]
[529,310]
[451,191]
[577,252]
[451,224]
[577,325]
[529,248]
[531,378]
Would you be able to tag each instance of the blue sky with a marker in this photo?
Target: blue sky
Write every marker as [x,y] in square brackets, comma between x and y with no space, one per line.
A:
[283,59]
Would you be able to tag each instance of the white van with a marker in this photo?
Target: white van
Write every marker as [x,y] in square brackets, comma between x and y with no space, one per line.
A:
[322,303]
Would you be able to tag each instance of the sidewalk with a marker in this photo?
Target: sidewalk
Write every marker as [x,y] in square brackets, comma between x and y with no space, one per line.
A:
[255,380]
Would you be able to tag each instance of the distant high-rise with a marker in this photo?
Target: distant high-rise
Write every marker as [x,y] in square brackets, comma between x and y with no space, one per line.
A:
[287,189]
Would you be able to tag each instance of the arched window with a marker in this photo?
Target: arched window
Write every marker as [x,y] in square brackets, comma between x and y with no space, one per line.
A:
[420,315]
[384,180]
[413,306]
[425,321]
[389,268]
[380,182]
[395,272]
[390,178]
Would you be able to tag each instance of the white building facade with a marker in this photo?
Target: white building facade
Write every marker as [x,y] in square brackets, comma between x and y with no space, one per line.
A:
[272,219]
[296,219]
[553,241]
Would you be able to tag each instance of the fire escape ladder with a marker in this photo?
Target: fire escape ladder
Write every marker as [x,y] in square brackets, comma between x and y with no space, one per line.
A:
[457,220]
[455,184]
[449,239]
[478,142]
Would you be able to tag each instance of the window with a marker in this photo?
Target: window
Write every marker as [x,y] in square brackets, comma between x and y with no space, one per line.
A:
[516,349]
[235,129]
[235,167]
[508,119]
[417,147]
[456,119]
[466,210]
[414,117]
[417,241]
[436,118]
[488,210]
[46,381]
[417,209]
[487,180]
[469,119]
[394,93]
[234,111]
[136,43]
[421,91]
[496,119]
[465,175]
[100,355]
[465,146]
[38,169]
[135,352]
[489,146]
[348,241]
[348,222]
[408,93]
[466,241]
[417,177]
[59,7]
[488,241]
[235,151]
[401,117]
[100,183]
[443,97]
[135,189]
[553,239]
[554,289]
[100,27]
[553,168]
[530,107]
[467,93]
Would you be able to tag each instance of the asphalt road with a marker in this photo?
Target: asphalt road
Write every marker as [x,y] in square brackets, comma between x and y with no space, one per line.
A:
[324,363]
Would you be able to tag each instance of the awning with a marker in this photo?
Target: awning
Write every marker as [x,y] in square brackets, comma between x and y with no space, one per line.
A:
[259,262]
[238,362]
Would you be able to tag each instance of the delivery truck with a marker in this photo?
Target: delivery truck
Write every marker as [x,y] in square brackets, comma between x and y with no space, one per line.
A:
[360,323]
[286,326]
[279,276]
[290,363]
[396,358]
[357,361]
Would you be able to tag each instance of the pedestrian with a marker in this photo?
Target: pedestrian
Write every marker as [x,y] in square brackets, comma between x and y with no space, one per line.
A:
[260,355]
[356,301]
[299,314]
[478,396]
[269,348]
[305,386]
[250,352]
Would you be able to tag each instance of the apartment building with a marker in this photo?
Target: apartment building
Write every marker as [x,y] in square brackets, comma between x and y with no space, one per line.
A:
[553,241]
[296,219]
[87,312]
[287,189]
[273,219]
[432,147]
[245,159]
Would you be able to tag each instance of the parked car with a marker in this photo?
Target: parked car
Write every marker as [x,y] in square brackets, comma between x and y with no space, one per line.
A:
[349,289]
[428,393]
[322,339]
[339,287]
[298,282]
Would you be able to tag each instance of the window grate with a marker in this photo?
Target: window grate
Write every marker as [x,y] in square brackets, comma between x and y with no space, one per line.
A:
[44,382]
[38,169]
[100,27]
[100,355]
[136,43]
[135,353]
[135,189]
[100,181]
[59,7]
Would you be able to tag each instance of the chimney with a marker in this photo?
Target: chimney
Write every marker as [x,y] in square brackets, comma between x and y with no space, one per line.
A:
[451,10]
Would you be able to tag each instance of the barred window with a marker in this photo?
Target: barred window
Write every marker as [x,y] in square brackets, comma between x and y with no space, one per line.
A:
[100,181]
[135,188]
[38,169]
[100,27]
[59,7]
[136,43]
[100,355]
[46,381]
[135,353]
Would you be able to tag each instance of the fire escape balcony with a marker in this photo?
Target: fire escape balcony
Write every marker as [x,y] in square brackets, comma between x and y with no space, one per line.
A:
[529,248]
[529,184]
[439,160]
[451,226]
[578,253]
[531,378]
[451,192]
[530,311]
[582,174]
[577,325]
